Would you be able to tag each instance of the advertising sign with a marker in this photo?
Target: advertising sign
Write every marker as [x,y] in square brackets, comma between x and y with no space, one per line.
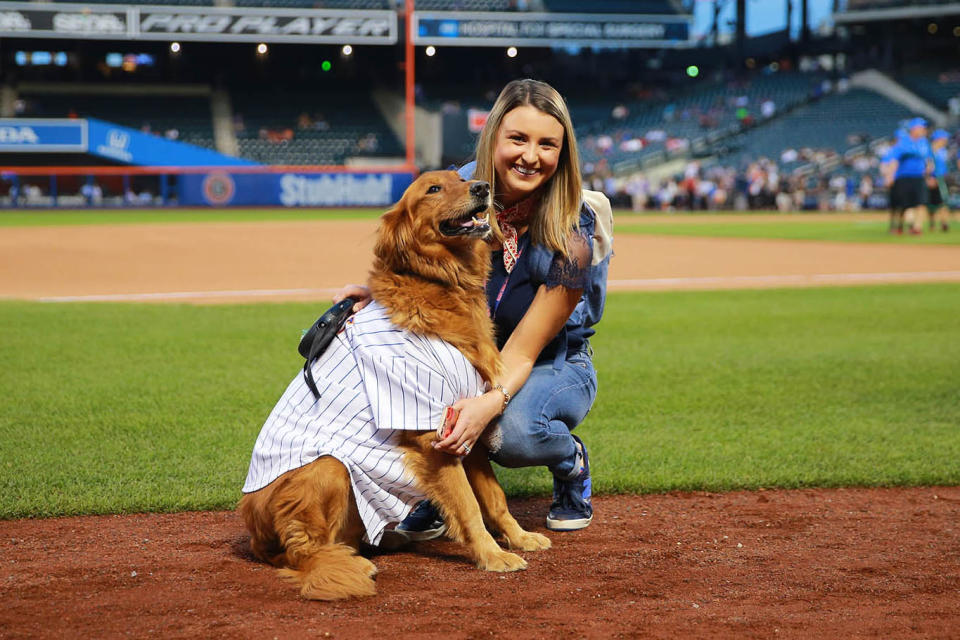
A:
[222,188]
[106,140]
[209,24]
[551,29]
[25,135]
[134,147]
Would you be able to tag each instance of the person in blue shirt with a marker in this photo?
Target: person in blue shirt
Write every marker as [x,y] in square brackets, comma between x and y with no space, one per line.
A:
[905,167]
[937,210]
[546,291]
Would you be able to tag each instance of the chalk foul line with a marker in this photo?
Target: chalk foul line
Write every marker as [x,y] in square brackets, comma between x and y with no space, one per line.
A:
[638,283]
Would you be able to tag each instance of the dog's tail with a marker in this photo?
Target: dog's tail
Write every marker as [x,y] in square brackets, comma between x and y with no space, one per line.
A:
[333,572]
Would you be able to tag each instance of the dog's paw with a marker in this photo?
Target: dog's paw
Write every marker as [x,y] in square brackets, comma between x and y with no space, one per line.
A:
[529,541]
[502,561]
[367,567]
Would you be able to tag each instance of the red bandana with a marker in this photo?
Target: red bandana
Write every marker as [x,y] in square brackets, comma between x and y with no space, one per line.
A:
[509,219]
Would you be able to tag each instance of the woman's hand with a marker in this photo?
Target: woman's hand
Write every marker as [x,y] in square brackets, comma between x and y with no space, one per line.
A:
[475,415]
[358,291]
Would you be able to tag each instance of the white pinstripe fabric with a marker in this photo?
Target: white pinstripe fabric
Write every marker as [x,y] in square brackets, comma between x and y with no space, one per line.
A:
[374,379]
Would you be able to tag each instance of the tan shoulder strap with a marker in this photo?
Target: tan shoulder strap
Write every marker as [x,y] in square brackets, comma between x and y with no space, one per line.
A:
[603,232]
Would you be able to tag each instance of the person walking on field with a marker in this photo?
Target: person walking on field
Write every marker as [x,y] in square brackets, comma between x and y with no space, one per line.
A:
[937,209]
[905,167]
[546,291]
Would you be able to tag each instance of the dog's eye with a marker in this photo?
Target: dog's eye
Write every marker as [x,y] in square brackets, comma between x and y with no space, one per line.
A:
[434,189]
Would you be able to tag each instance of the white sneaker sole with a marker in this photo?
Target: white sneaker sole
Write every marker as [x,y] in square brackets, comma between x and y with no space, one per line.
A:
[568,525]
[422,536]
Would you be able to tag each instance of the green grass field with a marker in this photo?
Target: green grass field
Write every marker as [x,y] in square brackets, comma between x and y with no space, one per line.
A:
[790,227]
[120,408]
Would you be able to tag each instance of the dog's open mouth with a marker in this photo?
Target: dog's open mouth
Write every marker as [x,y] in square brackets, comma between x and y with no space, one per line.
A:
[475,222]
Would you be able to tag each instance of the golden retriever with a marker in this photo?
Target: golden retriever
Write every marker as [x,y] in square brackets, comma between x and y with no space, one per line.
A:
[429,273]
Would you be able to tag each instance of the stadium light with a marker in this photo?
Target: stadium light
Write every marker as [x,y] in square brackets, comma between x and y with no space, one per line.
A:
[431,51]
[693,71]
[956,32]
[347,50]
[512,52]
[262,49]
[175,47]
[932,28]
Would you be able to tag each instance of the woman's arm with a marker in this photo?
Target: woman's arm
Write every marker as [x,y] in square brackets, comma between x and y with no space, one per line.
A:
[549,311]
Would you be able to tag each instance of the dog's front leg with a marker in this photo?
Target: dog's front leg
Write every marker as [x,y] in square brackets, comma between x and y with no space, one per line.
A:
[444,481]
[493,503]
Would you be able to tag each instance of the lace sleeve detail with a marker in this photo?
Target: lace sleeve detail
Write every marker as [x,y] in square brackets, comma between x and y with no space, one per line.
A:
[571,271]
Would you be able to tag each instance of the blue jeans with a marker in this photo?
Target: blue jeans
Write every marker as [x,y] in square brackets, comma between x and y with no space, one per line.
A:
[537,423]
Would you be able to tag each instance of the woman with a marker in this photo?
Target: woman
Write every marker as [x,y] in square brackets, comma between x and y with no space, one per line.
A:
[546,290]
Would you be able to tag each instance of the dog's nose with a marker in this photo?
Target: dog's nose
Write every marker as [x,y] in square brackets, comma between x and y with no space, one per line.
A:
[480,189]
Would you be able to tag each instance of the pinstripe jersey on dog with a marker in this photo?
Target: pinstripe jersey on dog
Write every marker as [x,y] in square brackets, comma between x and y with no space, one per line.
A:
[374,379]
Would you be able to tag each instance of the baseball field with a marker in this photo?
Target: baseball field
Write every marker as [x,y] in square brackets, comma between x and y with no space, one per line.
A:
[775,444]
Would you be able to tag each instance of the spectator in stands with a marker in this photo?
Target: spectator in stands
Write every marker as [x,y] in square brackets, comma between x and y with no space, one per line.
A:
[865,189]
[320,122]
[637,188]
[545,291]
[172,133]
[92,194]
[768,108]
[304,121]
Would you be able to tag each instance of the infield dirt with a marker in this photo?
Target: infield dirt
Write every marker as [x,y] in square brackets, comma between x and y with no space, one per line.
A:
[866,563]
[852,563]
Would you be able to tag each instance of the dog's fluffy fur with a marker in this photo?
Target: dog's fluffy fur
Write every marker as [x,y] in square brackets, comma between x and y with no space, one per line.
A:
[429,274]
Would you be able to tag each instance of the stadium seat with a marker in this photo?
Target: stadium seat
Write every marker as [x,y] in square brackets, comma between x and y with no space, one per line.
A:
[188,116]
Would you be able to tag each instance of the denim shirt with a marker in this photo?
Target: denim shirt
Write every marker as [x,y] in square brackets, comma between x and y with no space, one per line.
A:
[509,296]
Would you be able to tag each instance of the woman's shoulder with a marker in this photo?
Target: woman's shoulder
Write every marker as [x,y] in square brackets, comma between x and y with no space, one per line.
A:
[467,170]
[596,219]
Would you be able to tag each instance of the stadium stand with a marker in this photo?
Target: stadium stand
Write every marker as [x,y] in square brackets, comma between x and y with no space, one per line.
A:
[318,4]
[683,120]
[834,123]
[933,85]
[291,129]
[182,118]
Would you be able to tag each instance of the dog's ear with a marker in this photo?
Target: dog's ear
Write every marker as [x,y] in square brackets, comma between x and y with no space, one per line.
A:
[394,236]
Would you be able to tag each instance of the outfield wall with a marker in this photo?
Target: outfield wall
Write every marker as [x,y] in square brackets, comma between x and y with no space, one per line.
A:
[293,189]
[212,186]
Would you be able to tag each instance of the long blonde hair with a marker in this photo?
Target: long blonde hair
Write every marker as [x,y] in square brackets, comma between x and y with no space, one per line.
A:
[559,208]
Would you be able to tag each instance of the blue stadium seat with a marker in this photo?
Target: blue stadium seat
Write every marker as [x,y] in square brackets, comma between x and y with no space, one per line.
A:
[933,85]
[303,127]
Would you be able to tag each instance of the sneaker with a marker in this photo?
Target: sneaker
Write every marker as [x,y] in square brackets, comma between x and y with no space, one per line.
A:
[571,508]
[944,227]
[423,523]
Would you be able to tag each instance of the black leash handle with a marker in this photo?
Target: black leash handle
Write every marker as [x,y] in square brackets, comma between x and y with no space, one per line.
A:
[318,337]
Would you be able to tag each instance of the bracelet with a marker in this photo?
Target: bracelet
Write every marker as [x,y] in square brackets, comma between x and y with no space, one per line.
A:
[506,395]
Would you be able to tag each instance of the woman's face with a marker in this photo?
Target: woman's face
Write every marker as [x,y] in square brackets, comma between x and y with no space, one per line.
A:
[527,152]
